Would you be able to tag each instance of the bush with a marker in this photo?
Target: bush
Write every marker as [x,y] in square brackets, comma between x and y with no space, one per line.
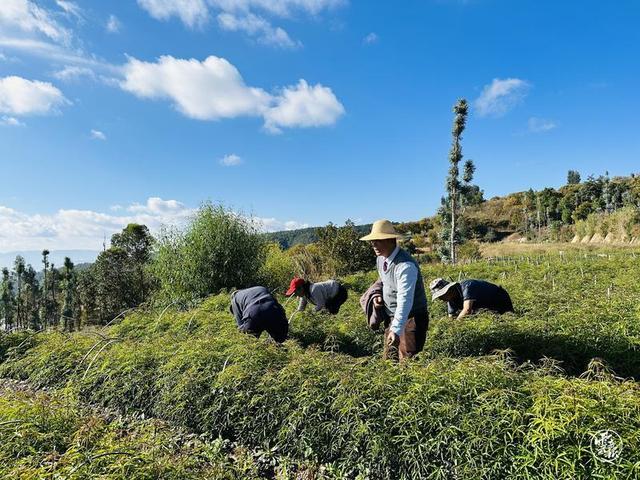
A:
[342,251]
[469,251]
[218,249]
[278,269]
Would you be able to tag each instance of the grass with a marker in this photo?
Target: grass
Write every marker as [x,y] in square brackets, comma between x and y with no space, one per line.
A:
[48,435]
[326,399]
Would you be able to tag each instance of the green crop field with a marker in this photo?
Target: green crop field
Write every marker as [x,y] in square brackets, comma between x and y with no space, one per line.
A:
[547,392]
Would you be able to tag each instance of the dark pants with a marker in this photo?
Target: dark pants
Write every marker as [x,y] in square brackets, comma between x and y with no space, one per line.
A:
[266,315]
[333,304]
[412,339]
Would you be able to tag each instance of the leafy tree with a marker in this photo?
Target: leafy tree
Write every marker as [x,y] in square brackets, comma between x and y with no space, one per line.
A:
[114,283]
[342,251]
[136,241]
[19,268]
[45,304]
[573,177]
[32,290]
[7,300]
[218,249]
[69,305]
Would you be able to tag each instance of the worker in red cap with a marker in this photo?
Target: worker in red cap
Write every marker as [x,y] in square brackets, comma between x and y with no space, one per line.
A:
[329,295]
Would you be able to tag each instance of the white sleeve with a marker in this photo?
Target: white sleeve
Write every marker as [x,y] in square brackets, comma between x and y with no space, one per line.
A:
[406,277]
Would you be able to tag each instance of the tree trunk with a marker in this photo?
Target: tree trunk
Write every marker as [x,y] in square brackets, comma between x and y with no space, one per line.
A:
[453,226]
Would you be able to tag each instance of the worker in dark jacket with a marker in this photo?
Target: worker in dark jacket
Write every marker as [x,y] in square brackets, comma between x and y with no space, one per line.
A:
[468,296]
[256,310]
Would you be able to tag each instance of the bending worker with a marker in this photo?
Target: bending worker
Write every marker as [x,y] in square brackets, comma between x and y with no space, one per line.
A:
[329,295]
[469,296]
[256,310]
[403,296]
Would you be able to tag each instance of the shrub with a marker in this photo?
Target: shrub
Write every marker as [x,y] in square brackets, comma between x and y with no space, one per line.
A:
[342,251]
[218,249]
[278,269]
[469,251]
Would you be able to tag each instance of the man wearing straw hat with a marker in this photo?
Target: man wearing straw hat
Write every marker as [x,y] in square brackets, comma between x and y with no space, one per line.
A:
[403,295]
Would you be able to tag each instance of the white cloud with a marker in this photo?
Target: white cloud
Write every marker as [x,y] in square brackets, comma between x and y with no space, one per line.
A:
[370,39]
[257,27]
[158,206]
[82,229]
[214,89]
[70,8]
[248,16]
[280,8]
[501,96]
[303,105]
[231,160]
[74,72]
[539,125]
[6,121]
[193,13]
[25,16]
[98,135]
[19,96]
[208,90]
[275,225]
[113,24]
[86,229]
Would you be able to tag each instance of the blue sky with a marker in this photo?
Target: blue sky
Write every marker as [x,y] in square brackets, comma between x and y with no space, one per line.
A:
[298,112]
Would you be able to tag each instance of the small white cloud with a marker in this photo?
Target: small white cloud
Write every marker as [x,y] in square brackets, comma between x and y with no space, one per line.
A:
[19,96]
[539,125]
[113,24]
[158,206]
[6,121]
[116,208]
[98,135]
[501,96]
[231,160]
[193,13]
[259,28]
[70,8]
[303,105]
[275,225]
[74,72]
[370,39]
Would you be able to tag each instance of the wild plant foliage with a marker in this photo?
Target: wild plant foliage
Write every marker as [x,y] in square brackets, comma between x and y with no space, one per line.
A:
[490,397]
[218,249]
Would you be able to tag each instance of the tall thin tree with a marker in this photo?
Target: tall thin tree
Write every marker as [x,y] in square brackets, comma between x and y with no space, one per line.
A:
[19,267]
[44,300]
[461,110]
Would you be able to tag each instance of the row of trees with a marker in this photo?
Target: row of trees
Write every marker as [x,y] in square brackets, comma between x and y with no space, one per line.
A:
[65,297]
[217,250]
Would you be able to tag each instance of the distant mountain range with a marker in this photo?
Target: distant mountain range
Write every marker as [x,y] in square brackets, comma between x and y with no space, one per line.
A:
[34,257]
[289,238]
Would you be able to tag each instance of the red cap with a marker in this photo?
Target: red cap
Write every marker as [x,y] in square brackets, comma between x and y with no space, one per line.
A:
[293,286]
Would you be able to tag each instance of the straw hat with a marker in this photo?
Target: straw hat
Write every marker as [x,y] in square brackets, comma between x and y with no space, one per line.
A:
[381,230]
[439,287]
